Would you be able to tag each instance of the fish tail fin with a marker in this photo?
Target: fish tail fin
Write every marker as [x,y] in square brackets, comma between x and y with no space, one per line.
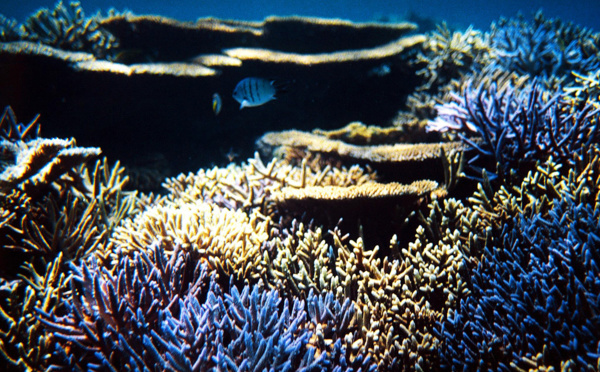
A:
[282,85]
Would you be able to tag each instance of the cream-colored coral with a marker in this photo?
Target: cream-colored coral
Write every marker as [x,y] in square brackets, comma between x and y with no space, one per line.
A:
[370,190]
[383,153]
[228,240]
[252,183]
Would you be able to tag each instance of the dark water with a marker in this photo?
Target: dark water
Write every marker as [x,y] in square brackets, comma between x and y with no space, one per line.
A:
[479,13]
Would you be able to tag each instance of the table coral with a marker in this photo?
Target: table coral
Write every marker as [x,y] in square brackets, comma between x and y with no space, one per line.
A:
[321,259]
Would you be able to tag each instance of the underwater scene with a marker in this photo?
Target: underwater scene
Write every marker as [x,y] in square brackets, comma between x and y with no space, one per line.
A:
[347,188]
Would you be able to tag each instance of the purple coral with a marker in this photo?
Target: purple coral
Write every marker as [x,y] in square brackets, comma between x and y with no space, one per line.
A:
[509,127]
[152,314]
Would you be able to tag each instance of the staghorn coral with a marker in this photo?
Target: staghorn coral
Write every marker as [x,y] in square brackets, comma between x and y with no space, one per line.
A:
[103,308]
[24,343]
[513,128]
[227,240]
[548,257]
[183,319]
[9,30]
[422,104]
[585,88]
[13,131]
[397,298]
[66,27]
[216,275]
[549,49]
[48,202]
[61,225]
[449,55]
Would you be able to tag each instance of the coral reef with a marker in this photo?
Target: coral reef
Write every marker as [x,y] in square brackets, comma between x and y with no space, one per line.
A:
[398,162]
[547,256]
[66,27]
[131,59]
[373,247]
[315,143]
[9,30]
[546,48]
[512,127]
[448,55]
[197,324]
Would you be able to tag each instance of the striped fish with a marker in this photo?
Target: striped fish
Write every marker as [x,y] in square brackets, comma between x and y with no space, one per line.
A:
[253,91]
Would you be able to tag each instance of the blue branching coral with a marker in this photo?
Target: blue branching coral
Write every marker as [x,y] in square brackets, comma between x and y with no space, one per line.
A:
[536,293]
[545,48]
[503,274]
[510,127]
[153,314]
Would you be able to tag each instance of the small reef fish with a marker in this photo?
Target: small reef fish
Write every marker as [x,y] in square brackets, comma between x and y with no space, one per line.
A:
[253,91]
[217,103]
[380,70]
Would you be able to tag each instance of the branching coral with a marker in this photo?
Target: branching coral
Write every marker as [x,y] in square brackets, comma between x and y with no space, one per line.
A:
[511,127]
[547,256]
[172,314]
[24,343]
[65,27]
[448,55]
[107,316]
[397,298]
[545,48]
[37,216]
[48,200]
[9,30]
[585,87]
[224,271]
[228,240]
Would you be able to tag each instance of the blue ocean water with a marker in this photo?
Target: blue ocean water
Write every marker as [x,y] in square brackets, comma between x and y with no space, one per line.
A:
[479,13]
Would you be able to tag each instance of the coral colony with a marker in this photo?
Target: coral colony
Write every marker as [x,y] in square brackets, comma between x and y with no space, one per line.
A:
[461,234]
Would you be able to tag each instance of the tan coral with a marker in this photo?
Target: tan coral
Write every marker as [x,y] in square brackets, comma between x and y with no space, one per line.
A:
[171,69]
[248,185]
[357,133]
[383,153]
[41,50]
[367,191]
[395,297]
[271,56]
[229,241]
